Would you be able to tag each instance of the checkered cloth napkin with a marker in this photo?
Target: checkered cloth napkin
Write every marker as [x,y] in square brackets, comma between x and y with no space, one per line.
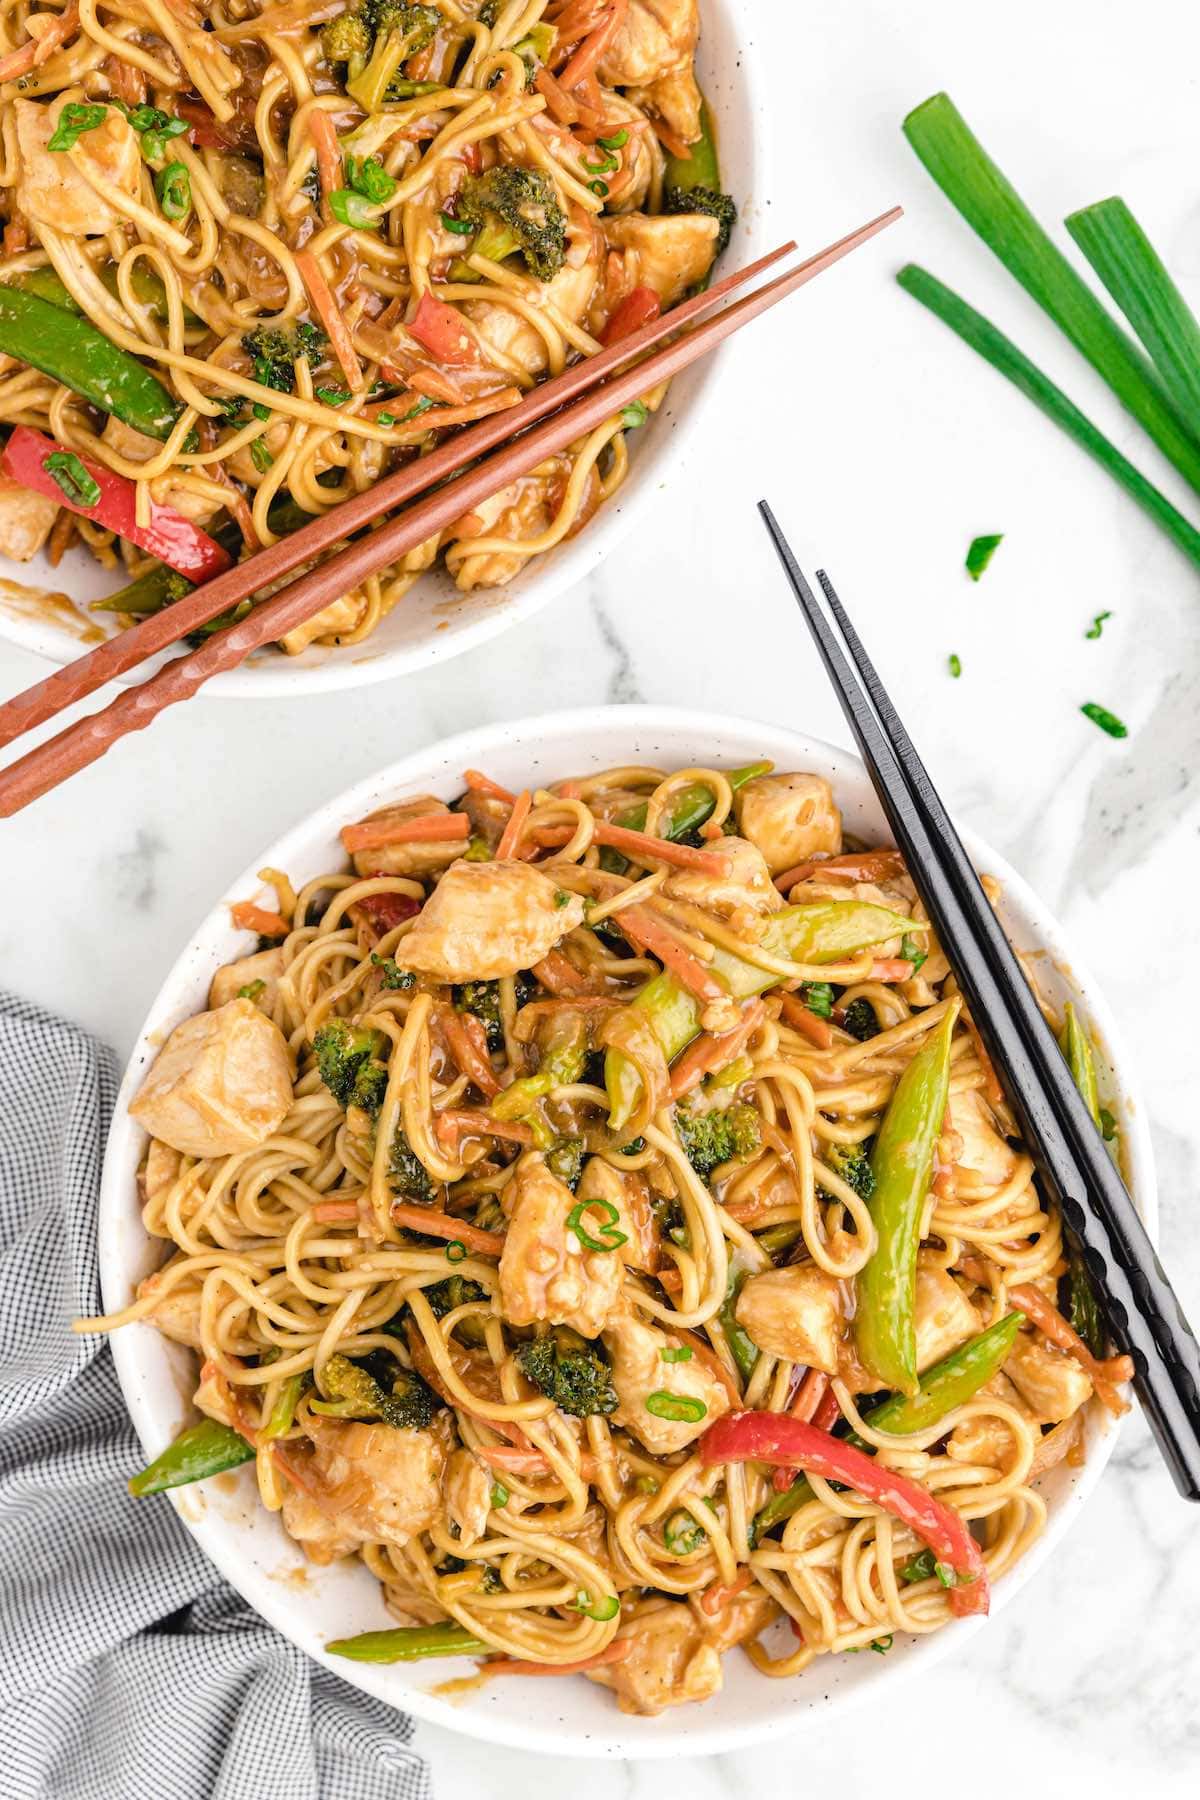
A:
[128,1668]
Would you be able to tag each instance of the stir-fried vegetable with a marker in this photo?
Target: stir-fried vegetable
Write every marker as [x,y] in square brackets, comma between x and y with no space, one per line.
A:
[208,1448]
[408,1643]
[72,350]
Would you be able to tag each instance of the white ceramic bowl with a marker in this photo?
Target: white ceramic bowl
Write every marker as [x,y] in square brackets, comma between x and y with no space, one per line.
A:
[311,1605]
[434,621]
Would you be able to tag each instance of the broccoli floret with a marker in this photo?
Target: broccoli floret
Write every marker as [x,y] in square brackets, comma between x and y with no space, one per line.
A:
[516,209]
[274,352]
[409,1406]
[711,1138]
[373,39]
[407,1174]
[488,13]
[448,1295]
[565,1160]
[347,1058]
[393,975]
[853,1163]
[571,1372]
[859,1020]
[707,201]
[483,999]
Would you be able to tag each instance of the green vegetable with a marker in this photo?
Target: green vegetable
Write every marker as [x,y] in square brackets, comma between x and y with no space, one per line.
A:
[682,1535]
[608,1238]
[73,121]
[1108,1125]
[65,468]
[407,1643]
[822,932]
[349,208]
[565,1160]
[1082,1306]
[498,1496]
[1076,1047]
[368,177]
[252,991]
[516,208]
[347,1059]
[393,975]
[284,1410]
[692,805]
[147,287]
[173,186]
[742,1347]
[1107,721]
[407,1174]
[374,38]
[1016,367]
[202,1450]
[155,128]
[954,664]
[853,1163]
[70,349]
[902,1162]
[571,1372]
[1134,274]
[448,1295]
[682,1354]
[708,201]
[356,1394]
[991,206]
[860,1021]
[274,353]
[818,997]
[260,456]
[680,1407]
[1096,627]
[562,1050]
[602,1610]
[911,951]
[981,552]
[713,1137]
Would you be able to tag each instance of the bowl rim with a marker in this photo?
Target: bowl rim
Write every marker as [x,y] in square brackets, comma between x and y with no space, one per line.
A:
[472,748]
[568,565]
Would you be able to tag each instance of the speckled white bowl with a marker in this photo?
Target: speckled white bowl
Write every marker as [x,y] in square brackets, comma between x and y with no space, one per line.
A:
[311,1605]
[434,621]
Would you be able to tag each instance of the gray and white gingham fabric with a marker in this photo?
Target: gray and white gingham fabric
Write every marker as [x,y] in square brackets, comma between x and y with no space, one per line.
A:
[128,1669]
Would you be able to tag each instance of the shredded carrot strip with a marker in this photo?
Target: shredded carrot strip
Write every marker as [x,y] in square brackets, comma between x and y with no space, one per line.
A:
[248,917]
[809,1394]
[511,835]
[719,1593]
[327,1211]
[559,104]
[36,51]
[453,1125]
[617,1651]
[432,1223]
[708,1053]
[558,973]
[592,48]
[865,865]
[430,828]
[801,1018]
[890,968]
[645,848]
[329,313]
[567,790]
[329,156]
[1050,1322]
[649,933]
[516,1462]
[479,783]
[468,1046]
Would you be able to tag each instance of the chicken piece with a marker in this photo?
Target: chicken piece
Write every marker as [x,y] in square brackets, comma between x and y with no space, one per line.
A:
[222,1082]
[546,1274]
[746,892]
[1052,1385]
[630,1194]
[340,615]
[409,859]
[323,1539]
[52,188]
[677,100]
[467,1490]
[655,38]
[640,156]
[158,1172]
[790,817]
[672,1662]
[265,966]
[524,509]
[177,1314]
[945,1317]
[136,447]
[518,347]
[375,1483]
[794,1313]
[635,1351]
[26,519]
[484,920]
[984,1152]
[987,1439]
[739,1620]
[670,253]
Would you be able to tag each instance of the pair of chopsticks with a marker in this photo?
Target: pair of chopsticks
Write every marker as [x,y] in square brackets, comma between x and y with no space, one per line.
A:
[1142,1312]
[544,423]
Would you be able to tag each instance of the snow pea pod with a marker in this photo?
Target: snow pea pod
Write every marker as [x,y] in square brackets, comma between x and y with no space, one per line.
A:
[1082,1306]
[207,1448]
[408,1643]
[70,349]
[692,805]
[902,1163]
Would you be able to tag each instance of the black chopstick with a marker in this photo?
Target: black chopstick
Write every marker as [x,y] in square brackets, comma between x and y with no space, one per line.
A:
[1142,1312]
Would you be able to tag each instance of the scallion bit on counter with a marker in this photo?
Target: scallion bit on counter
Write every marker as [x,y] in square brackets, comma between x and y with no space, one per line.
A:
[1107,721]
[981,553]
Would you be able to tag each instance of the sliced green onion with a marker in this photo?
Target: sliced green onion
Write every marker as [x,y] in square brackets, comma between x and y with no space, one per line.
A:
[456,1251]
[259,411]
[333,396]
[173,185]
[1004,356]
[605,167]
[634,414]
[954,664]
[1136,277]
[608,1239]
[260,456]
[252,992]
[65,468]
[681,1407]
[599,188]
[73,121]
[911,951]
[981,553]
[1108,1125]
[1107,721]
[617,141]
[423,405]
[682,1354]
[349,208]
[971,181]
[460,227]
[682,1535]
[602,1610]
[498,1496]
[818,997]
[368,177]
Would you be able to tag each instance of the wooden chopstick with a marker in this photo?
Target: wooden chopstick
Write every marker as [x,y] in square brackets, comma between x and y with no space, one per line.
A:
[158,631]
[1141,1308]
[88,739]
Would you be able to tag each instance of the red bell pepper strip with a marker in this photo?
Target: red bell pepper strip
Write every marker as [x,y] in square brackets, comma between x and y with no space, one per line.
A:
[776,1438]
[170,537]
[441,330]
[635,310]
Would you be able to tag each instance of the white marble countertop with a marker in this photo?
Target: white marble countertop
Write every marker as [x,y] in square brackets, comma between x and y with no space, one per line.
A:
[885,448]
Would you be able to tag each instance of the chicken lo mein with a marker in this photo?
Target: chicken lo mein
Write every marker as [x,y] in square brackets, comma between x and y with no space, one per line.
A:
[594,1208]
[255,256]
